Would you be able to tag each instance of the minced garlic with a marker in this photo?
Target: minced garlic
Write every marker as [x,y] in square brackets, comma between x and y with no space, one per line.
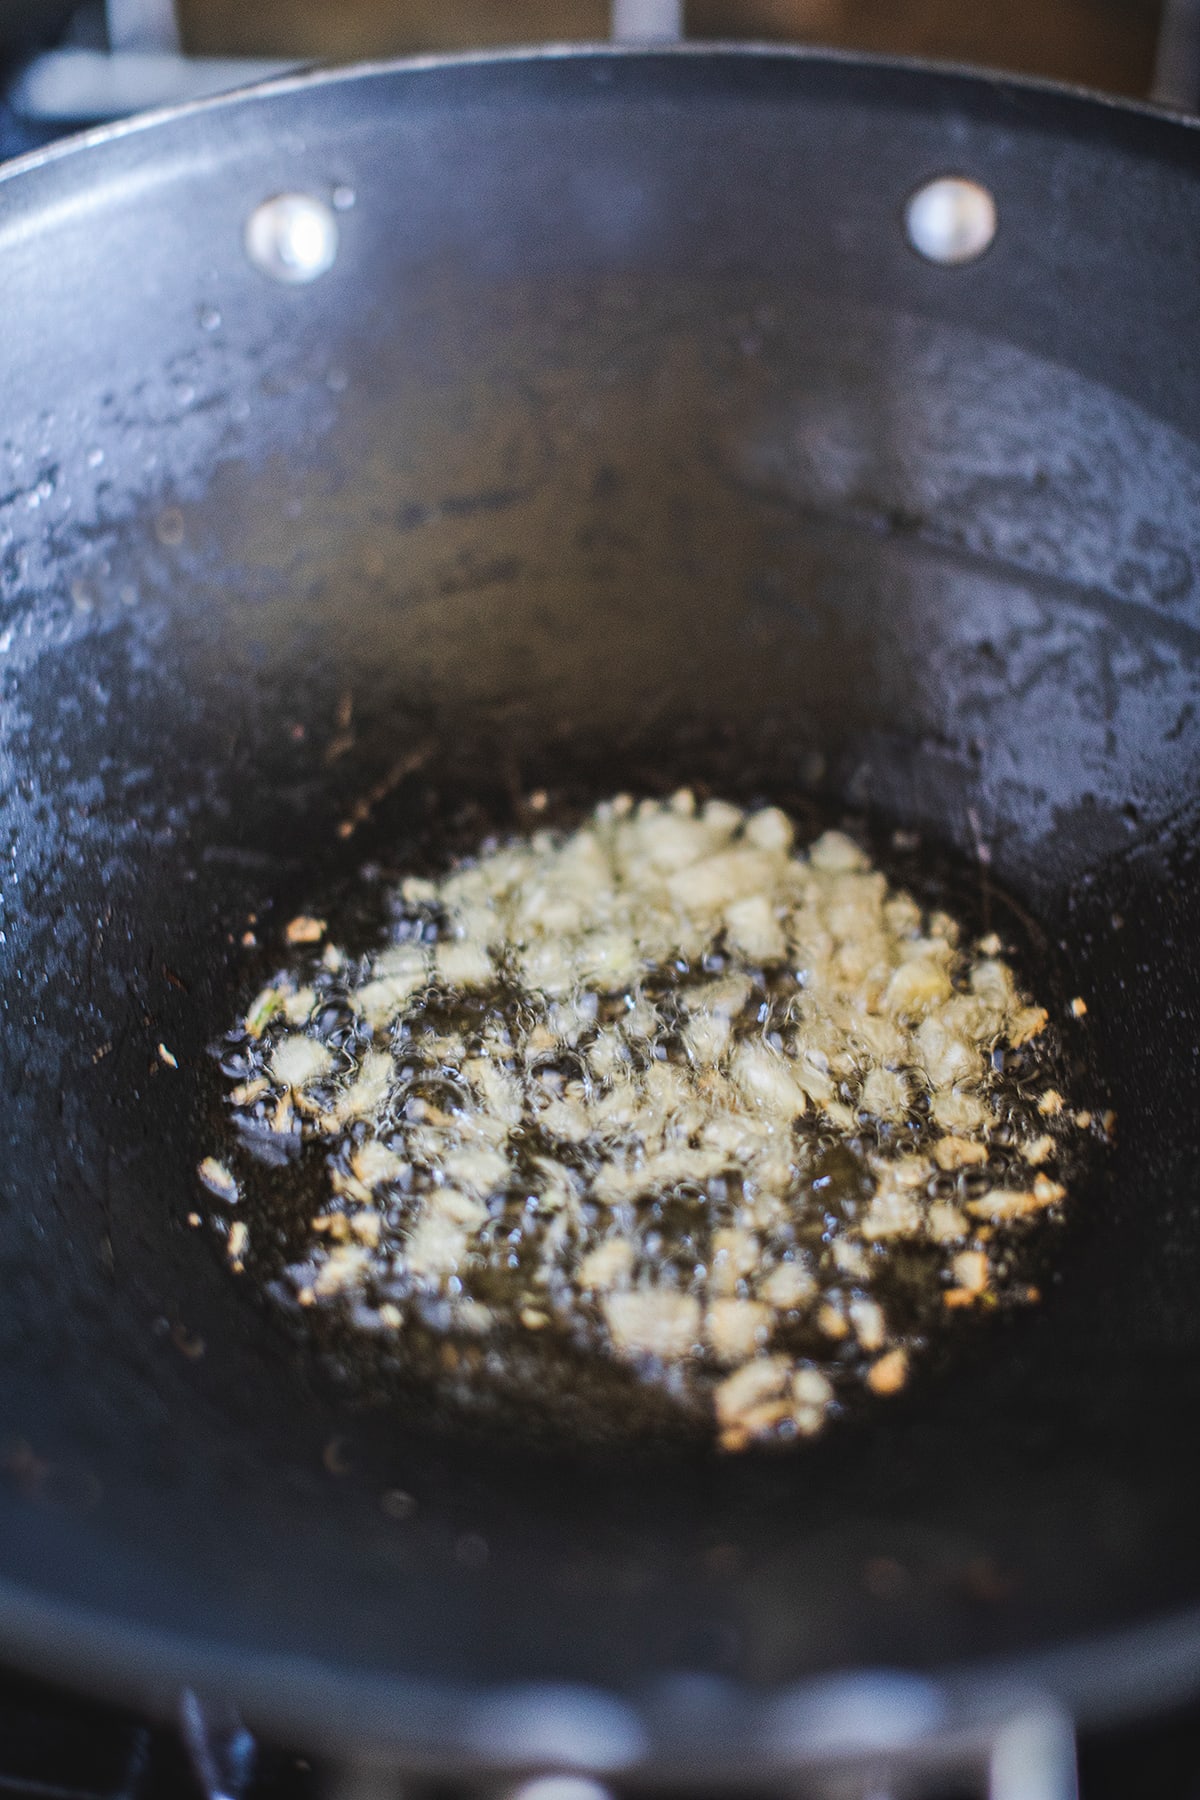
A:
[667,1086]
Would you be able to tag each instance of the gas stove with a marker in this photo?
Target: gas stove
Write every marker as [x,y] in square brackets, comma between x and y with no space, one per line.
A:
[55,1746]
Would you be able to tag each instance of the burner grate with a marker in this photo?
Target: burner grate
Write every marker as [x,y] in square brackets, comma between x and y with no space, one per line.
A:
[54,1746]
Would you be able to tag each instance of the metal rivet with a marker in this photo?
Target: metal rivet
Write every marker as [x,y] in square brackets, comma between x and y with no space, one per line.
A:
[951,220]
[292,238]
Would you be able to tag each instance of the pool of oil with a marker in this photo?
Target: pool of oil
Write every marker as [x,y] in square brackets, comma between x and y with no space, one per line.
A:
[551,1385]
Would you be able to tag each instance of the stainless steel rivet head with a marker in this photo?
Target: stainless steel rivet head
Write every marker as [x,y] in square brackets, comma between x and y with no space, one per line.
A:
[951,220]
[292,237]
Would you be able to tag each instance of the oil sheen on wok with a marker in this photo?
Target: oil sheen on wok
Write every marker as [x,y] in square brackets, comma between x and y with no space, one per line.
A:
[659,1116]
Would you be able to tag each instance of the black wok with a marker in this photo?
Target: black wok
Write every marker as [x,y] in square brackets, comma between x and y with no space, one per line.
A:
[626,437]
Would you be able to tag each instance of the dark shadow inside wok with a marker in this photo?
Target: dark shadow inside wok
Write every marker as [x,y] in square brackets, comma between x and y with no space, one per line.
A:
[635,515]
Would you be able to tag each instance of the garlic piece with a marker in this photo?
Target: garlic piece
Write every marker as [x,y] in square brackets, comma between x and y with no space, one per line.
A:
[298,1061]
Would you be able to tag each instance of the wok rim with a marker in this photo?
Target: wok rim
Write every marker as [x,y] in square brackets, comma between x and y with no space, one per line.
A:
[437,1729]
[315,75]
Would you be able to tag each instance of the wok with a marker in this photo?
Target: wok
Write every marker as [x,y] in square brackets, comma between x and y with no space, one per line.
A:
[626,437]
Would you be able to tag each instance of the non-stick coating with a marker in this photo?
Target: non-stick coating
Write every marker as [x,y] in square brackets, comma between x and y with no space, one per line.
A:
[626,435]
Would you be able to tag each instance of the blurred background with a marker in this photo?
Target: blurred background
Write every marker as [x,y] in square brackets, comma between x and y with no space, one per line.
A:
[56,73]
[1102,43]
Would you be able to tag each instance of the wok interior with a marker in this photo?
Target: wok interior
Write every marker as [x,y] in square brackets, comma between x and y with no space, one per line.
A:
[563,499]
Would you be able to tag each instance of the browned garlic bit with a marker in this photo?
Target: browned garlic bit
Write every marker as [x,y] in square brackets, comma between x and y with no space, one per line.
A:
[735,1114]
